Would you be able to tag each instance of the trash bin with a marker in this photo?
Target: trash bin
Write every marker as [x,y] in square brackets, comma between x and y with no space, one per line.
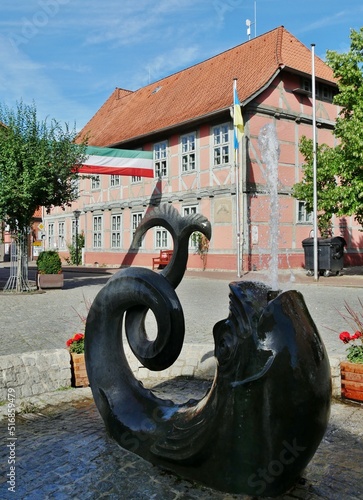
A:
[330,255]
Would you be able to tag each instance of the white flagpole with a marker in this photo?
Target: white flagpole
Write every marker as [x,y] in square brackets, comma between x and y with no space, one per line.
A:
[238,221]
[315,194]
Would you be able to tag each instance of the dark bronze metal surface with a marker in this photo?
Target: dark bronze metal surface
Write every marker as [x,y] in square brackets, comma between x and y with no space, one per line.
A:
[268,408]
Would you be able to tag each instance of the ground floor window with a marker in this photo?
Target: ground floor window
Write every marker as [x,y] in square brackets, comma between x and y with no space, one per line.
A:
[51,236]
[161,238]
[303,215]
[116,231]
[97,231]
[61,235]
[189,210]
[136,219]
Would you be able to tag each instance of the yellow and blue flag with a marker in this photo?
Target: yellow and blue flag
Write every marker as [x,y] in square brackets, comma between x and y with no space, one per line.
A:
[237,119]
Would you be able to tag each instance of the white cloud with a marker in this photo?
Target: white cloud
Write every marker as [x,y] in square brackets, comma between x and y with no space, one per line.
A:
[332,20]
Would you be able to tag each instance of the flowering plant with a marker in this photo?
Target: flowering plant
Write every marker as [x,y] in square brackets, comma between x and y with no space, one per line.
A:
[355,351]
[76,343]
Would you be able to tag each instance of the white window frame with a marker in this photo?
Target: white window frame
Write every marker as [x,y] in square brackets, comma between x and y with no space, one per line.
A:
[188,152]
[303,217]
[160,152]
[161,236]
[116,231]
[115,180]
[189,210]
[136,218]
[97,231]
[221,145]
[51,236]
[61,235]
[95,182]
[135,179]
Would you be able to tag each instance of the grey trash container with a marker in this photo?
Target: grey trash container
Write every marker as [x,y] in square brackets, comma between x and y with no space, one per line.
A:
[330,255]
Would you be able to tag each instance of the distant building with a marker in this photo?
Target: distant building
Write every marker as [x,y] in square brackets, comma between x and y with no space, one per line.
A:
[186,120]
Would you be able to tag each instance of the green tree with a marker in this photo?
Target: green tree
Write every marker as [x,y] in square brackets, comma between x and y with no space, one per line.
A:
[39,163]
[327,187]
[347,68]
[339,169]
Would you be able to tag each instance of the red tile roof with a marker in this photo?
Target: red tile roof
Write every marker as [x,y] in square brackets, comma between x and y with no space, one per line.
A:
[200,90]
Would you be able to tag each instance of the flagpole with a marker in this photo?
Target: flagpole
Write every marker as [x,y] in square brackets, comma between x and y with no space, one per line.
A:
[315,195]
[238,211]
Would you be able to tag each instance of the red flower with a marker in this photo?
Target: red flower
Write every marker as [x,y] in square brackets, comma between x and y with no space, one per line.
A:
[345,337]
[78,336]
[357,335]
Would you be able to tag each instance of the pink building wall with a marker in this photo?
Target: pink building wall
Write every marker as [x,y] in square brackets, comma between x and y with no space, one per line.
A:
[212,190]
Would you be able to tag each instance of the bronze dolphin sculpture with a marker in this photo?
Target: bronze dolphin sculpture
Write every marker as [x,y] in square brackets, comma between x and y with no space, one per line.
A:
[268,407]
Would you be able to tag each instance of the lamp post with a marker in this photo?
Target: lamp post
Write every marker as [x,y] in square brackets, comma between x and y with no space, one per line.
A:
[76,214]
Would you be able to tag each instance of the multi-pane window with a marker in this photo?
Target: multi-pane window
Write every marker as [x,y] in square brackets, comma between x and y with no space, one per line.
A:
[161,237]
[61,235]
[116,231]
[136,219]
[160,159]
[221,145]
[115,180]
[51,240]
[324,92]
[135,178]
[75,187]
[302,214]
[95,182]
[97,231]
[189,210]
[188,152]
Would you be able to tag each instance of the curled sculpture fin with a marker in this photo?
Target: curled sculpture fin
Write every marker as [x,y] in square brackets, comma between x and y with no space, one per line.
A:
[180,228]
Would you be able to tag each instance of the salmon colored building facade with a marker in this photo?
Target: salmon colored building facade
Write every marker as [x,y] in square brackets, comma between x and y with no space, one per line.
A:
[186,120]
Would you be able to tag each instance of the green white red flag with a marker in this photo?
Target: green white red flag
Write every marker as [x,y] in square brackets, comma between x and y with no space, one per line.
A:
[112,161]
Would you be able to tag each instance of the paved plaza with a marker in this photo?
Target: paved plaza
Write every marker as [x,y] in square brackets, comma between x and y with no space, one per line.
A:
[42,321]
[62,449]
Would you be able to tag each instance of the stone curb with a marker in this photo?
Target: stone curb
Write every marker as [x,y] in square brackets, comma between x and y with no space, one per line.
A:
[36,373]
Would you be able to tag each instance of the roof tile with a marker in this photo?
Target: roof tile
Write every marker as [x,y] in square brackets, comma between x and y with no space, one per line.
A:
[200,90]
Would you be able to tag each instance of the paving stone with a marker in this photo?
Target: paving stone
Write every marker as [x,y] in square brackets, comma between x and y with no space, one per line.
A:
[65,452]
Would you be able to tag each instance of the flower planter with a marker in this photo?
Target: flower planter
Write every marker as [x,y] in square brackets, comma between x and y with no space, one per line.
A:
[352,380]
[79,372]
[50,281]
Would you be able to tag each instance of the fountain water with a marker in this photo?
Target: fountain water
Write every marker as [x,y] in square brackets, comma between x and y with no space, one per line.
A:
[270,152]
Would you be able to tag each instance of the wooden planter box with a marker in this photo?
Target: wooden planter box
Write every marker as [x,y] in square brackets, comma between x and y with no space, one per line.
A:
[79,372]
[50,281]
[352,380]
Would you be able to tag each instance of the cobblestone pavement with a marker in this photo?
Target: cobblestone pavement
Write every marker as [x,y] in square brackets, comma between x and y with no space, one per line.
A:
[63,452]
[32,322]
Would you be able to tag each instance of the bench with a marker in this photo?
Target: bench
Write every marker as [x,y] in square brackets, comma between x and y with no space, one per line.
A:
[163,259]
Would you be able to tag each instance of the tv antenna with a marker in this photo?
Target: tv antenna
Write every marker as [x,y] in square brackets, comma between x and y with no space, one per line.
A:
[249,23]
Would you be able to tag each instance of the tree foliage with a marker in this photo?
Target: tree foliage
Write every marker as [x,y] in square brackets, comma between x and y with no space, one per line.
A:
[340,169]
[327,187]
[39,163]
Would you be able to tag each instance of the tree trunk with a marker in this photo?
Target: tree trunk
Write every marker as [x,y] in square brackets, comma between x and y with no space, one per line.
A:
[18,279]
[22,263]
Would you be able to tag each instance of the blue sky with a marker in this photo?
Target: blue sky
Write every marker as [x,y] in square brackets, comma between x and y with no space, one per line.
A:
[68,55]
